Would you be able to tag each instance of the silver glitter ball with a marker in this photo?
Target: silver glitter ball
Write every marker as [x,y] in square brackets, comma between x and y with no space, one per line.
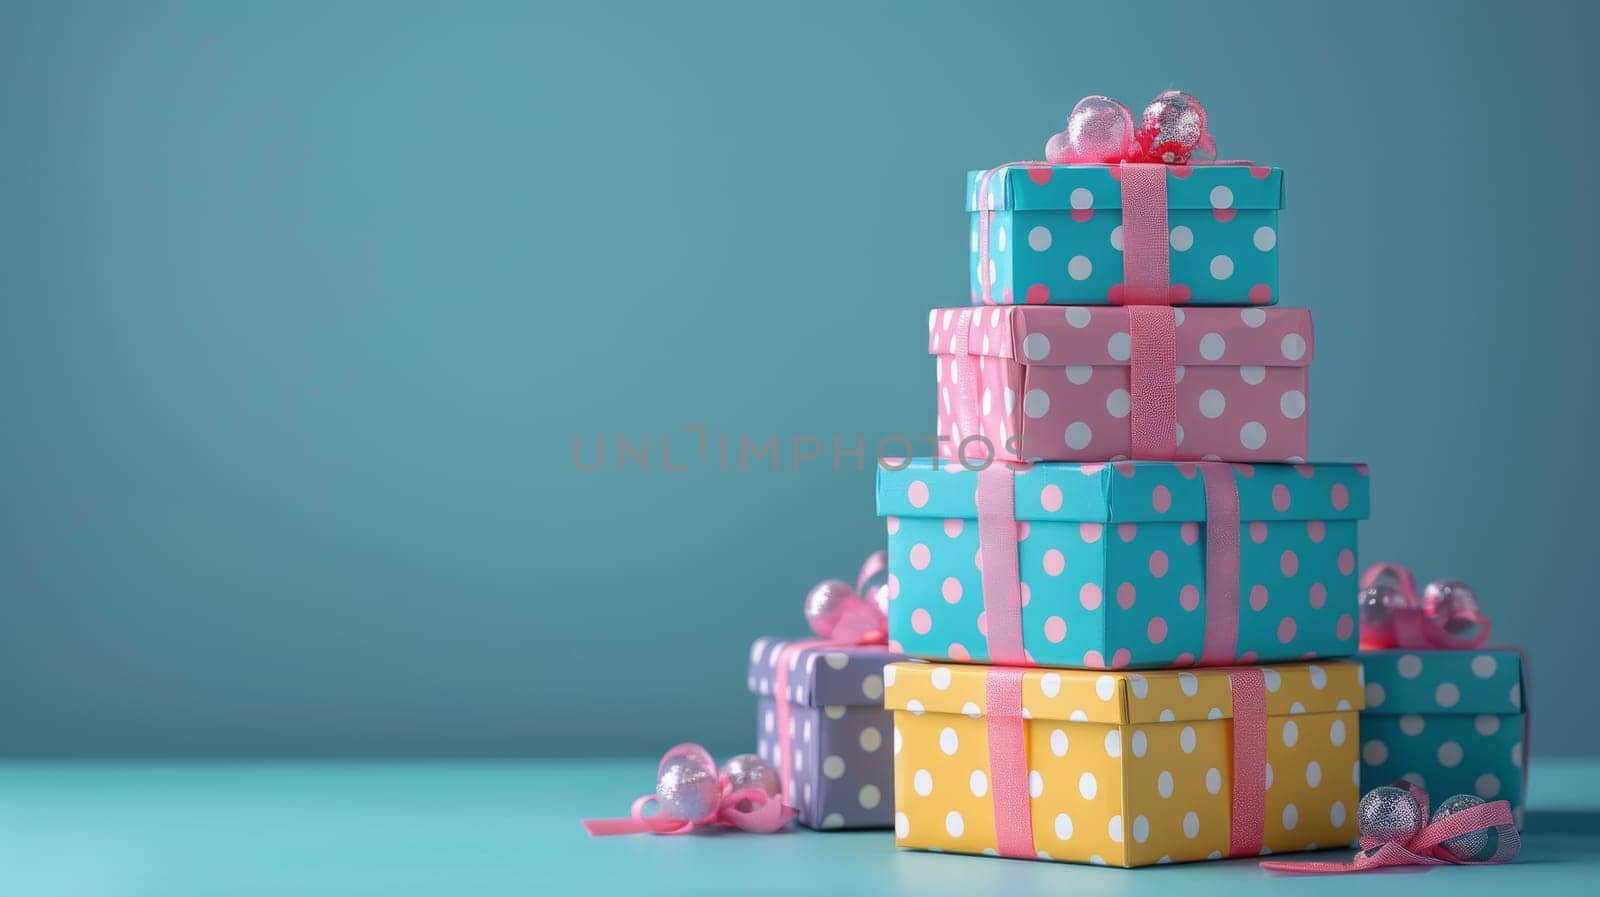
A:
[1478,845]
[688,791]
[1389,814]
[1174,118]
[750,771]
[1378,605]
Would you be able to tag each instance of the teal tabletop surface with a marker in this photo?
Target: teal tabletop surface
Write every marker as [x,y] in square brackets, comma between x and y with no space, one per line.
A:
[511,828]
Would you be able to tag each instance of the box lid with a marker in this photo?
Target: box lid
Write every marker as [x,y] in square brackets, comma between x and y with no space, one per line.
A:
[1149,696]
[1468,683]
[1080,187]
[1083,335]
[850,676]
[1126,491]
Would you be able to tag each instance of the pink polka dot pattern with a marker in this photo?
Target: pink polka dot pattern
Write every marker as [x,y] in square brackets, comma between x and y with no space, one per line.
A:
[1059,388]
[1280,497]
[917,493]
[1161,499]
[1156,630]
[951,589]
[1050,497]
[1286,628]
[1101,564]
[1055,629]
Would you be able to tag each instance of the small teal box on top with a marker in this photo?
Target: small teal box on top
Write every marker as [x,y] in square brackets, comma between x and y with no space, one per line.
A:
[1056,234]
[1454,722]
[1111,560]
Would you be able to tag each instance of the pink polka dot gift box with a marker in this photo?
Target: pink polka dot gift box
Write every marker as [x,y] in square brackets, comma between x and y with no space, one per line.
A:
[1090,384]
[1453,722]
[1057,234]
[820,721]
[1126,564]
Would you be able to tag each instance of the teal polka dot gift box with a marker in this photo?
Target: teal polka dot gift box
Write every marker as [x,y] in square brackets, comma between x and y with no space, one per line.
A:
[1056,234]
[1125,564]
[1453,722]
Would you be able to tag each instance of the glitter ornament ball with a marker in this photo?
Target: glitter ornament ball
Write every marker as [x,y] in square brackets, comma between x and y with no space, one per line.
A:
[826,603]
[1454,602]
[1388,813]
[688,791]
[1172,127]
[1473,846]
[1379,603]
[1100,129]
[750,771]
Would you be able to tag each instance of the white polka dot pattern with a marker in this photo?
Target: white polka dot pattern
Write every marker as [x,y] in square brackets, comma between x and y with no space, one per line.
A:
[1074,368]
[1063,213]
[1451,719]
[1124,793]
[839,727]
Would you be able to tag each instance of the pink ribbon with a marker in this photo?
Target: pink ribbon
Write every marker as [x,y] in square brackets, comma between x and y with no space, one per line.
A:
[1418,624]
[1002,581]
[1221,640]
[1248,821]
[1145,276]
[746,809]
[1423,849]
[1153,382]
[860,621]
[1008,762]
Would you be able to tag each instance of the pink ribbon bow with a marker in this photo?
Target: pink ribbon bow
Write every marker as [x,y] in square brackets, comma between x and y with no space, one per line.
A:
[841,616]
[1423,848]
[1445,615]
[851,616]
[1100,131]
[686,799]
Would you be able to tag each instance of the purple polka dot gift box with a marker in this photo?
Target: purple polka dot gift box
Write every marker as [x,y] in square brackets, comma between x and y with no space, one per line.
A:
[1092,384]
[1453,722]
[1126,564]
[827,709]
[1055,234]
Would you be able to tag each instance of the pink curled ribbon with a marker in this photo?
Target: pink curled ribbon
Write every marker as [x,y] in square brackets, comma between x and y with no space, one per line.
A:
[1423,848]
[1444,616]
[841,616]
[746,809]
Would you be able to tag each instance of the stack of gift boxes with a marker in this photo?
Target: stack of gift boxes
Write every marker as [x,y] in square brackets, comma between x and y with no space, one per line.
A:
[1122,604]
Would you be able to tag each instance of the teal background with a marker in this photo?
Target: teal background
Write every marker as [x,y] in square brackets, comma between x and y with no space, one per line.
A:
[303,305]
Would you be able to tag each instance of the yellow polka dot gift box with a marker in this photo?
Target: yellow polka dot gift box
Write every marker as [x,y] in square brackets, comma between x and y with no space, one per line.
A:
[1121,768]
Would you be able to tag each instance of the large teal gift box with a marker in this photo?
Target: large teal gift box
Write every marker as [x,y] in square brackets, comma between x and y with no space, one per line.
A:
[1112,560]
[1453,722]
[1056,234]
